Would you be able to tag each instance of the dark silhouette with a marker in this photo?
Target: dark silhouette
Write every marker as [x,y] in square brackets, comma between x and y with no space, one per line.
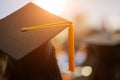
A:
[39,64]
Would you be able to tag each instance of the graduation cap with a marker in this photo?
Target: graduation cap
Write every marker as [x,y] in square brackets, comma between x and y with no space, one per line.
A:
[28,28]
[103,39]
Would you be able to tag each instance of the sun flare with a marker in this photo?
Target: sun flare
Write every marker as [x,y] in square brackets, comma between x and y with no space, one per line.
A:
[53,6]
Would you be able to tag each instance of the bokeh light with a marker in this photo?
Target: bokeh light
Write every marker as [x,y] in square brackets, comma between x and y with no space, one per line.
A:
[86,71]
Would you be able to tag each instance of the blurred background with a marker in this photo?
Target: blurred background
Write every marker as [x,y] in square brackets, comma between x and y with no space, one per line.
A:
[97,35]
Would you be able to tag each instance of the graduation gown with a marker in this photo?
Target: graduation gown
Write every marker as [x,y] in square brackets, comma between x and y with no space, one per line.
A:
[40,64]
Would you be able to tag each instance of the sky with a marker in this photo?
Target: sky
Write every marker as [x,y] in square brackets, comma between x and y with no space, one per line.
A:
[95,9]
[9,6]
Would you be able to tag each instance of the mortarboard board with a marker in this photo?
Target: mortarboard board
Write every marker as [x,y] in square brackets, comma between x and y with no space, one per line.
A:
[103,39]
[17,43]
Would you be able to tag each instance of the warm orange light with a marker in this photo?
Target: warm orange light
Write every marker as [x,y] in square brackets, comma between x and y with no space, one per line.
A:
[70,40]
[53,6]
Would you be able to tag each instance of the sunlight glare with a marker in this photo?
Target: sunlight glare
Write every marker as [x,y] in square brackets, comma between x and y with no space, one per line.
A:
[53,6]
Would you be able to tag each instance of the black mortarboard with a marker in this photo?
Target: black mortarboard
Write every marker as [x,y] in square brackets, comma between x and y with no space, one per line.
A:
[102,38]
[17,43]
